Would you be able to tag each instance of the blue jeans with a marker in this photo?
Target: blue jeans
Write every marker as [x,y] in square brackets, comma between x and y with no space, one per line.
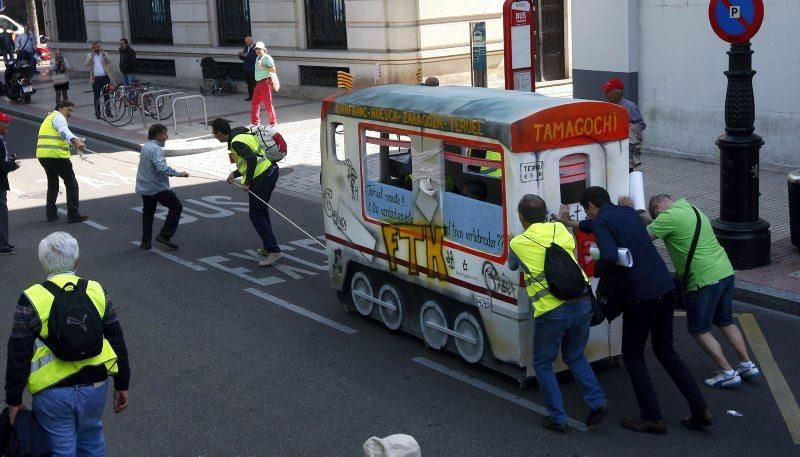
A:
[259,212]
[566,327]
[71,418]
[710,304]
[128,78]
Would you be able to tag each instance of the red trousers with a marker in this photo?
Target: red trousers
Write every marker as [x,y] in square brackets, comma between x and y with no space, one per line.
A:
[262,93]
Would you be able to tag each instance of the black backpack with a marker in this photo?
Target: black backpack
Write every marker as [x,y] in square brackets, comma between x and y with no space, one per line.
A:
[74,328]
[563,274]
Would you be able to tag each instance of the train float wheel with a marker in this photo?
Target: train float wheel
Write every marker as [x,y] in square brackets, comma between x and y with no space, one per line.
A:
[392,318]
[469,341]
[431,320]
[360,289]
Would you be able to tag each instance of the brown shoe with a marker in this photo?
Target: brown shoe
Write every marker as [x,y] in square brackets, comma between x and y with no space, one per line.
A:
[644,426]
[698,421]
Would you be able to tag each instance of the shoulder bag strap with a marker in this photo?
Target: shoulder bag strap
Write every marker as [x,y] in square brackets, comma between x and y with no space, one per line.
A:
[692,248]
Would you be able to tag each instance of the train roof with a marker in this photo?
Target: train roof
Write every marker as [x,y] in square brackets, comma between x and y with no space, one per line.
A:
[523,121]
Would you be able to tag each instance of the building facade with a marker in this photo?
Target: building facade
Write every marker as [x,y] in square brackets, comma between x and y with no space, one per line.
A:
[672,63]
[309,39]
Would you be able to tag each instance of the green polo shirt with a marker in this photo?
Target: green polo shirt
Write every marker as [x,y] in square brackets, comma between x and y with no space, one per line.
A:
[262,73]
[676,227]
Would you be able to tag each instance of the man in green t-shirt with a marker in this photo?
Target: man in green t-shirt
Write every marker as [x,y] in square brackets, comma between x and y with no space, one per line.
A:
[262,93]
[709,288]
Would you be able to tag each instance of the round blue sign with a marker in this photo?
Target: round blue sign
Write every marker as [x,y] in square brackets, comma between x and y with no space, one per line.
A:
[736,21]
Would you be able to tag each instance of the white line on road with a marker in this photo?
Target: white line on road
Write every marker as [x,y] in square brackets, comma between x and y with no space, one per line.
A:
[174,258]
[302,311]
[89,223]
[516,399]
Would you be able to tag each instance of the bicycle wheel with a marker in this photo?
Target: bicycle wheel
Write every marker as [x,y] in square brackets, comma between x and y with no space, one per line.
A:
[162,111]
[117,112]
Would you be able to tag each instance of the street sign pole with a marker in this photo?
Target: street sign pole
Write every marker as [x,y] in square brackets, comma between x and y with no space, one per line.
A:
[744,235]
[477,41]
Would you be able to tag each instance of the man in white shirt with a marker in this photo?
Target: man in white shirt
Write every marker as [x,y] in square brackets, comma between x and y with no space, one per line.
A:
[25,44]
[53,152]
[98,64]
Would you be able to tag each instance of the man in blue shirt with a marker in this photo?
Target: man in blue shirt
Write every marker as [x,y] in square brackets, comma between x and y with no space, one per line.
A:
[647,311]
[248,58]
[152,182]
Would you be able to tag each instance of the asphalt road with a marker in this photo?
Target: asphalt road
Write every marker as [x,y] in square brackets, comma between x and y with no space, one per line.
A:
[232,359]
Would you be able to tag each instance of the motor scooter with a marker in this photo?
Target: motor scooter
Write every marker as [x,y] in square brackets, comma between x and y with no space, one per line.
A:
[18,81]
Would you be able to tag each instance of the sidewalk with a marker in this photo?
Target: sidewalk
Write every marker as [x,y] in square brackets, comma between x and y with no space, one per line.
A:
[775,286]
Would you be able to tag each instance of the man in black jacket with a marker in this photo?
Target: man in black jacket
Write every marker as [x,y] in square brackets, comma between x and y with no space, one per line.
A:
[7,165]
[248,58]
[127,61]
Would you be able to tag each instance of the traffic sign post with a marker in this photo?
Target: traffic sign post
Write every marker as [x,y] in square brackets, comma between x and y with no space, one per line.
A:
[519,40]
[477,42]
[740,230]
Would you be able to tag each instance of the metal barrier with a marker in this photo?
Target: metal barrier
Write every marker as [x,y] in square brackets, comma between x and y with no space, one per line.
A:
[141,102]
[188,113]
[171,94]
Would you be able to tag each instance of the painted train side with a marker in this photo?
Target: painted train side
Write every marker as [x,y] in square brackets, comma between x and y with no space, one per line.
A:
[419,205]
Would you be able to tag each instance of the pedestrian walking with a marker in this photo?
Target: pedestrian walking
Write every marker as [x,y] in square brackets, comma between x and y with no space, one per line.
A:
[8,164]
[65,369]
[262,93]
[259,176]
[248,58]
[99,65]
[59,76]
[613,89]
[709,283]
[558,324]
[647,311]
[152,183]
[127,62]
[53,152]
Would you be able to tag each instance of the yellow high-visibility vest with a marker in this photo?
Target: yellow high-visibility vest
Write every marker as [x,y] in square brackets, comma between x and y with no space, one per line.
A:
[262,163]
[491,171]
[532,255]
[46,369]
[50,145]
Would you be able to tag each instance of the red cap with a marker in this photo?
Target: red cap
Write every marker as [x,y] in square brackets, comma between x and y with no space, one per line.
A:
[5,118]
[613,83]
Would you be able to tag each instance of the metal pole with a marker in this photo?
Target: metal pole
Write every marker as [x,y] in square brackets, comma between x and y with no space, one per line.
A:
[743,234]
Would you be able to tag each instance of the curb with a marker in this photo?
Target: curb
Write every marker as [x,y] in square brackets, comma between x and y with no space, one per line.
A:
[767,297]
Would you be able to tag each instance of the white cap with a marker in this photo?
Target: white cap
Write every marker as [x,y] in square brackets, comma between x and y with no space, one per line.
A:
[392,446]
[260,45]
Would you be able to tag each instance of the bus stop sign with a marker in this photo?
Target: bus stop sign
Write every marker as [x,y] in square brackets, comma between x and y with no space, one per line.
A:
[736,21]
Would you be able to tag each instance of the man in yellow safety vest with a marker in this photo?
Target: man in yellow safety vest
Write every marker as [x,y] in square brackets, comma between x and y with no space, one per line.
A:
[558,324]
[68,395]
[258,175]
[53,152]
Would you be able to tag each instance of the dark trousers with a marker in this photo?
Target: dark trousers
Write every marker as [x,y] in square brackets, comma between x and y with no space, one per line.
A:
[654,317]
[171,201]
[55,169]
[250,78]
[259,212]
[3,219]
[97,87]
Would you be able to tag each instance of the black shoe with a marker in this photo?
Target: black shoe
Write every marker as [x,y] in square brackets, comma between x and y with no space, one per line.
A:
[698,421]
[166,242]
[248,99]
[644,426]
[78,218]
[12,247]
[52,218]
[6,251]
[597,415]
[550,424]
[145,245]
[98,116]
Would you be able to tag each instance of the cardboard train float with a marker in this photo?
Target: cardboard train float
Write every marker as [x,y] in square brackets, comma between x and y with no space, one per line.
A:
[420,187]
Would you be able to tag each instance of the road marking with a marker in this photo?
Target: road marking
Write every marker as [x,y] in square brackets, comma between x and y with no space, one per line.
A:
[89,223]
[302,311]
[516,399]
[787,404]
[174,258]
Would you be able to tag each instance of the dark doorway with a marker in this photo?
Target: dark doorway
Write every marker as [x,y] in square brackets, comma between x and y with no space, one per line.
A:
[325,24]
[70,21]
[233,21]
[552,63]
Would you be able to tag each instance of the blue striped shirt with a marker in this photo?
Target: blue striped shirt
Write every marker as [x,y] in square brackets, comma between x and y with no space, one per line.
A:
[153,174]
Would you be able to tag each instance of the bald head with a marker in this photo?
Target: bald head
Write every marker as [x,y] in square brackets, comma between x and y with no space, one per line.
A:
[659,203]
[532,210]
[248,40]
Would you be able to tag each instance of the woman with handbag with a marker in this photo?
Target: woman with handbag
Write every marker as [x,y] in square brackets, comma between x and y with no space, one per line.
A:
[59,76]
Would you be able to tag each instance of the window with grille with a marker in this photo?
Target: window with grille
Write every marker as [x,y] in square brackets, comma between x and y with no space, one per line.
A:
[319,76]
[155,67]
[150,21]
[326,27]
[233,21]
[70,21]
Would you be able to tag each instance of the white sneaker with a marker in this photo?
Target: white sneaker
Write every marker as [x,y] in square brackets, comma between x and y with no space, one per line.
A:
[724,379]
[748,370]
[273,257]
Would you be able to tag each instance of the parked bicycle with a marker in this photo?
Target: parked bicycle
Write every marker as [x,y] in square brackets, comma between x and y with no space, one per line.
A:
[125,100]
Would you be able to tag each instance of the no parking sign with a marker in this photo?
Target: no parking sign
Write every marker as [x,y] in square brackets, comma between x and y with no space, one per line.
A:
[736,21]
